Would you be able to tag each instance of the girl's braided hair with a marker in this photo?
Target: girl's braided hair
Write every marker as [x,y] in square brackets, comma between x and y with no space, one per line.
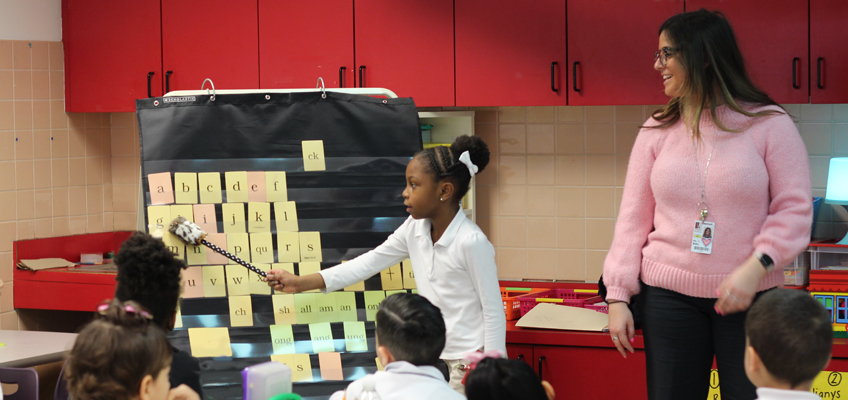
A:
[443,162]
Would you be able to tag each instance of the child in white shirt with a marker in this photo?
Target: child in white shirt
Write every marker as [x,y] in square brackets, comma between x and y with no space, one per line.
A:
[410,336]
[452,260]
[789,339]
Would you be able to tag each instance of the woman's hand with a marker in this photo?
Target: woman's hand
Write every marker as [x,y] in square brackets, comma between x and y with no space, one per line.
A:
[621,327]
[737,292]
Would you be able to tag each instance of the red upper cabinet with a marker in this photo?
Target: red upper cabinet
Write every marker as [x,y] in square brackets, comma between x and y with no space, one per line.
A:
[110,48]
[406,47]
[215,39]
[510,53]
[611,44]
[772,36]
[300,41]
[828,52]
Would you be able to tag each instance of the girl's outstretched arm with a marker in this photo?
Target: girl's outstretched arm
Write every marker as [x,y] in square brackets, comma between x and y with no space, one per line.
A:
[390,252]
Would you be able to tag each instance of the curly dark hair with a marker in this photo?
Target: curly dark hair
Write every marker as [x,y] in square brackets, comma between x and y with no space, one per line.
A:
[113,354]
[443,162]
[149,274]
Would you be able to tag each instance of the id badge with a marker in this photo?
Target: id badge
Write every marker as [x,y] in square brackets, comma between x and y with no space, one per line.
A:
[702,237]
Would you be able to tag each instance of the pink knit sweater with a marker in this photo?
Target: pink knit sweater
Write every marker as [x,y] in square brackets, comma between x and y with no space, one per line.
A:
[758,193]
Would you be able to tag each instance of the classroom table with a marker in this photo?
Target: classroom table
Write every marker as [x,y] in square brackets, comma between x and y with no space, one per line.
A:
[29,348]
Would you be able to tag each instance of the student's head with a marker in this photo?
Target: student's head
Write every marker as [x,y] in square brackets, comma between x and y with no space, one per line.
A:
[789,337]
[121,355]
[411,329]
[503,379]
[702,68]
[149,274]
[708,233]
[437,176]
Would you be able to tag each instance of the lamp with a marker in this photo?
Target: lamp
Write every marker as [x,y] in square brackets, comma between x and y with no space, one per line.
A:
[837,186]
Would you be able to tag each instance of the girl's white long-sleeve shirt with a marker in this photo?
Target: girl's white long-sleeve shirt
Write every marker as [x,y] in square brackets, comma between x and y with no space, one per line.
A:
[457,274]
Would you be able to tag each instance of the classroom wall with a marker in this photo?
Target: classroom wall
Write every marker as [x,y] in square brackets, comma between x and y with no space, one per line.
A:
[549,197]
[547,200]
[31,20]
[55,167]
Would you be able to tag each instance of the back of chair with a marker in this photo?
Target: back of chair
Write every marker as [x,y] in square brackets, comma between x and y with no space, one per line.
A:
[25,378]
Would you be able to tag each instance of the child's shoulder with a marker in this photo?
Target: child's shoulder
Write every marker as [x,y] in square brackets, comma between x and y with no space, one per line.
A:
[470,234]
[766,393]
[405,381]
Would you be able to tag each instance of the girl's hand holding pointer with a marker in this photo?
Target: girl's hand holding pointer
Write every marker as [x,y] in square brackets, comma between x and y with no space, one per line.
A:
[284,281]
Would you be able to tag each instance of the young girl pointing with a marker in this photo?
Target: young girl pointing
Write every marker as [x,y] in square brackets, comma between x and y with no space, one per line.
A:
[453,261]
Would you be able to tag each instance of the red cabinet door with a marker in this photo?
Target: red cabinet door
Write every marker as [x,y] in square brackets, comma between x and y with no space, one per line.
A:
[510,53]
[215,39]
[406,47]
[300,41]
[521,352]
[110,48]
[611,44]
[772,36]
[828,53]
[592,372]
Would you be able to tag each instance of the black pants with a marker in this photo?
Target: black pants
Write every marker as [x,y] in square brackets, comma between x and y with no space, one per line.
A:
[682,334]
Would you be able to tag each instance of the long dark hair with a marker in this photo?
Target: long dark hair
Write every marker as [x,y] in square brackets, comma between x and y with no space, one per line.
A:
[715,71]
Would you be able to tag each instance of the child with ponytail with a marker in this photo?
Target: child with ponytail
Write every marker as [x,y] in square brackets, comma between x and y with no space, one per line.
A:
[121,355]
[453,261]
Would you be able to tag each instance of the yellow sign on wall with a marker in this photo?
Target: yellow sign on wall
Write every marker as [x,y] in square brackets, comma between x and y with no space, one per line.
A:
[831,384]
[827,385]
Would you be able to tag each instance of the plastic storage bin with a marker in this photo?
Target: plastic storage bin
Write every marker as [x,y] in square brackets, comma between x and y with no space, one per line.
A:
[798,273]
[828,256]
[512,308]
[567,297]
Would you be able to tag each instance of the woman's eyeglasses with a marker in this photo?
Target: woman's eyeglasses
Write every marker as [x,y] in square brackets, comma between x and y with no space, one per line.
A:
[663,54]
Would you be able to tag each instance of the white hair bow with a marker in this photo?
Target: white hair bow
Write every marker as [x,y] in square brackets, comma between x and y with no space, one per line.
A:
[465,158]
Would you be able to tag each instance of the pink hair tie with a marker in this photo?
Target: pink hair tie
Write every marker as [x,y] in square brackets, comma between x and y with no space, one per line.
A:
[474,358]
[128,308]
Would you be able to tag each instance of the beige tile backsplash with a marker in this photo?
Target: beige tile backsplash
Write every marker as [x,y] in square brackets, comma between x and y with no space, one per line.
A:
[55,167]
[549,197]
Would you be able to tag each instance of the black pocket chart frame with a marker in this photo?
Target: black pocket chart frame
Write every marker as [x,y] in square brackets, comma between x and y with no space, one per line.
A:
[355,203]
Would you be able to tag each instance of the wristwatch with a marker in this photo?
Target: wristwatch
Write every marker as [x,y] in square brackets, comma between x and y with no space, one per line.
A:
[765,260]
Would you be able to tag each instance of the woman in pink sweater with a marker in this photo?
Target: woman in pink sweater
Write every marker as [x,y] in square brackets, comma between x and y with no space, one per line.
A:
[723,156]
